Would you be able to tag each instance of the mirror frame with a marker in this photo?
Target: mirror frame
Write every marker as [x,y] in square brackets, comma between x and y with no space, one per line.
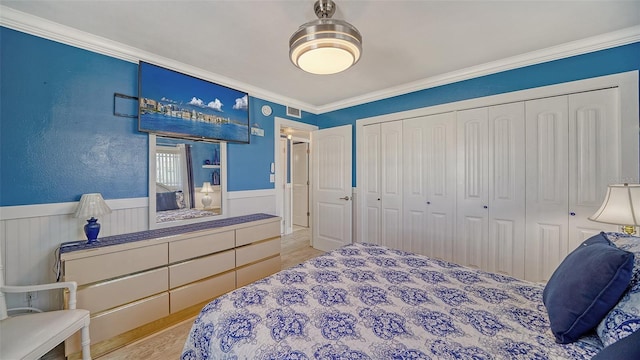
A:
[152,188]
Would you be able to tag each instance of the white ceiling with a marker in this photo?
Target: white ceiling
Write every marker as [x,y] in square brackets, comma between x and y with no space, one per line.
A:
[406,44]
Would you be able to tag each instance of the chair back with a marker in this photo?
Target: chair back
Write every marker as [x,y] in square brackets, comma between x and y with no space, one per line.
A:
[3,302]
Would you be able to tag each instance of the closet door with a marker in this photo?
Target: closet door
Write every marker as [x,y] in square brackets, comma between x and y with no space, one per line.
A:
[573,153]
[382,218]
[371,184]
[506,218]
[472,188]
[491,185]
[429,185]
[547,171]
[391,184]
[594,159]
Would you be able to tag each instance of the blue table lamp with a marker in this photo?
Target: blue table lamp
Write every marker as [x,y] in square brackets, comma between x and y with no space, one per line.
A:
[90,206]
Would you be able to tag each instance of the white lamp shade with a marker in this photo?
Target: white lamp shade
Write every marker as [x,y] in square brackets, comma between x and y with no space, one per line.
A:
[91,205]
[206,187]
[621,206]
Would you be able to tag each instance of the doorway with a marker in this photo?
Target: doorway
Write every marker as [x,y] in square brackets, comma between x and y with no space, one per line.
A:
[300,183]
[292,170]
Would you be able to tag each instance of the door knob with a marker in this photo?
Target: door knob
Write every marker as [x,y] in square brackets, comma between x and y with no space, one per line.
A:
[572,213]
[345,198]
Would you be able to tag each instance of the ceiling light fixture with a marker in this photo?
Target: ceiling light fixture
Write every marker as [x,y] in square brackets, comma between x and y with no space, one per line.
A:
[325,46]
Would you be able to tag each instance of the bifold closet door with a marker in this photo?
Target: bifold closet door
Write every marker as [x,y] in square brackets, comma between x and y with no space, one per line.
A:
[371,184]
[506,240]
[382,218]
[547,185]
[391,184]
[429,185]
[490,192]
[573,153]
[594,159]
[472,191]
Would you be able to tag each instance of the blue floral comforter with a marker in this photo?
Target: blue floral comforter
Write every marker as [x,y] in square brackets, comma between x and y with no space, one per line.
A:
[366,301]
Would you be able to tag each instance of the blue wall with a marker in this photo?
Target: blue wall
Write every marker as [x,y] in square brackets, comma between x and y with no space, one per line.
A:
[249,166]
[58,136]
[60,139]
[604,62]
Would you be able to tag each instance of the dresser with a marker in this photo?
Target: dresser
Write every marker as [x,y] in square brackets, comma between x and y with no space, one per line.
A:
[133,280]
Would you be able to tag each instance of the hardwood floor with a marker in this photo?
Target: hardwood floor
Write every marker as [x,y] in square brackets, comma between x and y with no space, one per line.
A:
[168,343]
[296,248]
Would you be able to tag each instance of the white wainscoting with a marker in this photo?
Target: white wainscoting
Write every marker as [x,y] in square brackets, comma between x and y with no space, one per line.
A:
[30,235]
[251,202]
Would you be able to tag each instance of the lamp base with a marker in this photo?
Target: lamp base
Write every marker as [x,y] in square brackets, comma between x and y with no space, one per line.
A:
[628,229]
[91,229]
[206,201]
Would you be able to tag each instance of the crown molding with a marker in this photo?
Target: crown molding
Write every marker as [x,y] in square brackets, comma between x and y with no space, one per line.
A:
[50,30]
[578,47]
[40,27]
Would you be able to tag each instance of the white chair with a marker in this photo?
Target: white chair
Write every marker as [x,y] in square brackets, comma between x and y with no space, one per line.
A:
[30,336]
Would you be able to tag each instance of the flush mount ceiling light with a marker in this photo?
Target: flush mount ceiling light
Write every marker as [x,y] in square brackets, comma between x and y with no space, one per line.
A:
[325,46]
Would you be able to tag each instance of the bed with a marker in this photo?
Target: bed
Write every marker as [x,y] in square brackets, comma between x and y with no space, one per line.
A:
[366,301]
[181,214]
[171,206]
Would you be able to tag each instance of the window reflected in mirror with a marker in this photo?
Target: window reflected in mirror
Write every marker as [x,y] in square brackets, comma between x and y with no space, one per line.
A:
[186,181]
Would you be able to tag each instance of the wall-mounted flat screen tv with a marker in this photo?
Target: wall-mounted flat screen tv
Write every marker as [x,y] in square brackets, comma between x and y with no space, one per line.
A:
[182,106]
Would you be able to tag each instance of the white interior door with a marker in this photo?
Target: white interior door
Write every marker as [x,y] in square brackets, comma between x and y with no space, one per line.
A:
[286,193]
[331,183]
[300,183]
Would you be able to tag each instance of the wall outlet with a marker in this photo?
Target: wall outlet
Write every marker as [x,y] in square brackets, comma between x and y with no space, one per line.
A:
[31,299]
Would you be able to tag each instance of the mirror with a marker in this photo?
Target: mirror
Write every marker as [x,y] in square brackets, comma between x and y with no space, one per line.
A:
[186,181]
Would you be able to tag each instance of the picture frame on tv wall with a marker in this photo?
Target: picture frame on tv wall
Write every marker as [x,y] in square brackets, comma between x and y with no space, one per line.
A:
[182,106]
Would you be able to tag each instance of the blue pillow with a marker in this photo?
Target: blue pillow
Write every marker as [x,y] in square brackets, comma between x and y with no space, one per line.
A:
[625,348]
[587,284]
[166,201]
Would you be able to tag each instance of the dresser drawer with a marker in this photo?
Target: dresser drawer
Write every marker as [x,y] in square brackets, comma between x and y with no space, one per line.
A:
[201,245]
[108,266]
[110,294]
[193,270]
[117,321]
[201,291]
[257,271]
[255,233]
[254,252]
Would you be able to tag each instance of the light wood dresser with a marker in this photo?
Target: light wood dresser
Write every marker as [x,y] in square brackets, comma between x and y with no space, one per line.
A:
[134,280]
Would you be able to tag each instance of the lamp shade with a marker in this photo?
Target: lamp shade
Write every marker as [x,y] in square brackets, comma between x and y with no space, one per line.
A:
[621,206]
[206,187]
[91,205]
